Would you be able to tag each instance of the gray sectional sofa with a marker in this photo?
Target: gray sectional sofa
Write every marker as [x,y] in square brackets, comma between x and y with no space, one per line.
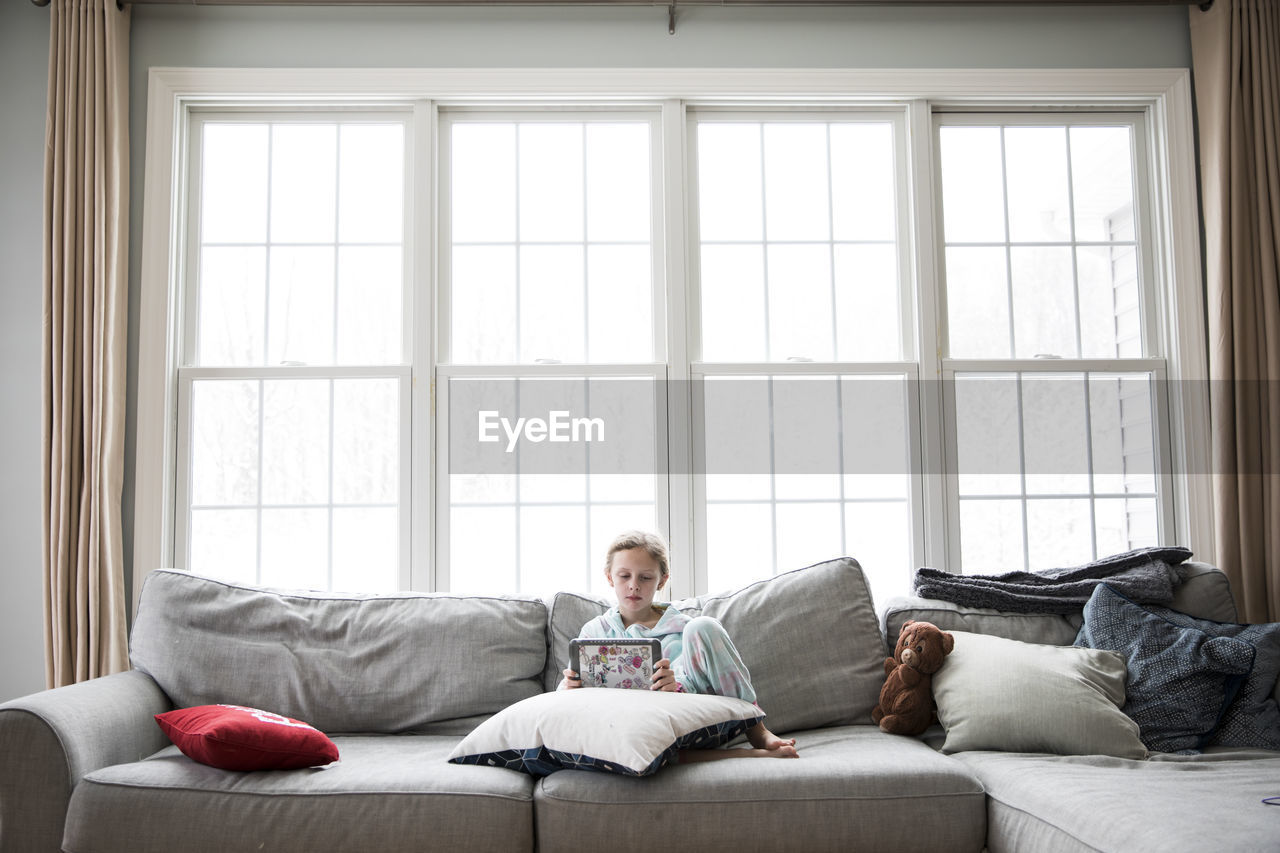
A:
[398,680]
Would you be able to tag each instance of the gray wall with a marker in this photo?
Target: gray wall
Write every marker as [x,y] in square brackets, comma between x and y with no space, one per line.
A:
[24,74]
[871,37]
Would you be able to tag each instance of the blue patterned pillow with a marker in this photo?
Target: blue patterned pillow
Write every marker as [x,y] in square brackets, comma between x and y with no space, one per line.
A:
[632,732]
[1180,680]
[1253,720]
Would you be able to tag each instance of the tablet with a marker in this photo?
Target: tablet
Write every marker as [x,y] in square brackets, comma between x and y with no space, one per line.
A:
[627,664]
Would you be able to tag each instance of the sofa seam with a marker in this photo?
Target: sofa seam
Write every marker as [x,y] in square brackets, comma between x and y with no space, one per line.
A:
[1039,818]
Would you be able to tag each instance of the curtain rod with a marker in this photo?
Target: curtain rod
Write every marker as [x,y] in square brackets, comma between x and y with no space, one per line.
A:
[1203,4]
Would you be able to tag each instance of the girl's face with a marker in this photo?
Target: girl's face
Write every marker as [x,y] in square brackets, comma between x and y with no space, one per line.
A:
[635,578]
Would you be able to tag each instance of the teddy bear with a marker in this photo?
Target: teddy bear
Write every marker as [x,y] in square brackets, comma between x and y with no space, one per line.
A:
[906,700]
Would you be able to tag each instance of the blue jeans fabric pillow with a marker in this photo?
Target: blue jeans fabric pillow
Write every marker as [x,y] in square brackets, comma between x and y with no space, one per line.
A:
[1180,681]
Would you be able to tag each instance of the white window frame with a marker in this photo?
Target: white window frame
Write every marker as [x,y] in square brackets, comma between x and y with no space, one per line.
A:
[1162,94]
[1151,302]
[188,372]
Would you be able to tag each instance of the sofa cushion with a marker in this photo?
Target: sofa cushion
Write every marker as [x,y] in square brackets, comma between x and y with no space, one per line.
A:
[236,738]
[994,693]
[615,731]
[1180,680]
[387,794]
[781,626]
[853,788]
[344,663]
[1174,804]
[1204,592]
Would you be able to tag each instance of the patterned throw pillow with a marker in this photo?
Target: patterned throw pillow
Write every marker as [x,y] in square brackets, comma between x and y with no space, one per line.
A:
[631,732]
[1253,720]
[236,738]
[1180,680]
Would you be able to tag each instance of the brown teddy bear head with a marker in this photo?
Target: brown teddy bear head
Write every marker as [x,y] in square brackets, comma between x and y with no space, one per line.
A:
[922,646]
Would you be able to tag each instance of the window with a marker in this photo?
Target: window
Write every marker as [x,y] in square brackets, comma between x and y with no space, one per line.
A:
[806,389]
[1050,309]
[551,277]
[396,342]
[293,384]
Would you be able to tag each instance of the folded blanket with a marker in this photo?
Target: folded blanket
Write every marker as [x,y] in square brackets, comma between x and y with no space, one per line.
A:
[1146,575]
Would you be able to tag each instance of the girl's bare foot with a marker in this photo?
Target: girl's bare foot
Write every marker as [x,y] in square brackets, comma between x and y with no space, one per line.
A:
[763,739]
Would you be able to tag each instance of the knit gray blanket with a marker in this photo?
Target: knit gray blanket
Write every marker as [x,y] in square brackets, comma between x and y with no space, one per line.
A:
[1146,575]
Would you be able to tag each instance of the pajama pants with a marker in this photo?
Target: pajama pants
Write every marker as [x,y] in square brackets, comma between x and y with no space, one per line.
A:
[709,663]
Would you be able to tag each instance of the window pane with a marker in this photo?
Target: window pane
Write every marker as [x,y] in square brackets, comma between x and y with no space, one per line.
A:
[1125,524]
[972,185]
[1059,533]
[1102,180]
[224,544]
[300,314]
[730,183]
[800,307]
[618,182]
[739,544]
[482,550]
[862,182]
[988,435]
[224,443]
[483,183]
[796,182]
[574,281]
[295,441]
[304,183]
[868,307]
[233,189]
[552,304]
[1056,432]
[550,181]
[878,536]
[553,546]
[1044,321]
[978,302]
[733,303]
[366,549]
[1068,300]
[370,296]
[808,533]
[619,304]
[371,183]
[484,288]
[366,441]
[1036,169]
[233,285]
[991,536]
[295,544]
[823,299]
[876,436]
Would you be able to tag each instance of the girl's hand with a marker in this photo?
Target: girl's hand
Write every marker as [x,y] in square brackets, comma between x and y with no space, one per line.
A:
[664,678]
[571,680]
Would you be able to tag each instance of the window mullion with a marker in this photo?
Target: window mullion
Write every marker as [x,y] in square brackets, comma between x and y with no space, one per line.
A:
[935,516]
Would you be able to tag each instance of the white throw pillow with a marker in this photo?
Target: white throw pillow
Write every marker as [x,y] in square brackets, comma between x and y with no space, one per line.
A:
[1000,694]
[631,732]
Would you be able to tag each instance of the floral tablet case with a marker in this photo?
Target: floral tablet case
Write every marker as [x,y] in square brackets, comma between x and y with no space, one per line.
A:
[627,664]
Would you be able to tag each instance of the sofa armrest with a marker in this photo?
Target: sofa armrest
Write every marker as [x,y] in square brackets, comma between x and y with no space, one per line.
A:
[50,740]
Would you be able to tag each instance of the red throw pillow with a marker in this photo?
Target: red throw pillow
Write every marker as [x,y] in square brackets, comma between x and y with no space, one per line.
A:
[236,738]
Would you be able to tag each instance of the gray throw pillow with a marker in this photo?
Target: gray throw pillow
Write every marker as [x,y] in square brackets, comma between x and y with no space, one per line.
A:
[1180,679]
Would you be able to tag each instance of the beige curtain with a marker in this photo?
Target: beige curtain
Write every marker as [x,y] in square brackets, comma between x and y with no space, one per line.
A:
[86,216]
[1236,66]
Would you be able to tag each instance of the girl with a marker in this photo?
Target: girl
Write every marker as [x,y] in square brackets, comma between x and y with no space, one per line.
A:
[698,656]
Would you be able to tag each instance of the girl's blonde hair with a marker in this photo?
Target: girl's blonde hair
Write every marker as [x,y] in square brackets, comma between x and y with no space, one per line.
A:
[652,544]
